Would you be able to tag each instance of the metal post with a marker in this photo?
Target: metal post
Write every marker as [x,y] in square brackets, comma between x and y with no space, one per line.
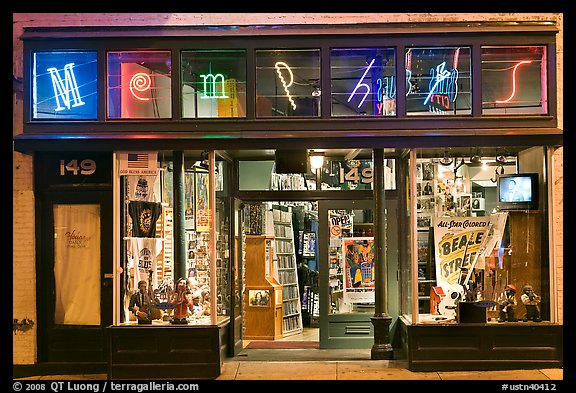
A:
[178,216]
[381,349]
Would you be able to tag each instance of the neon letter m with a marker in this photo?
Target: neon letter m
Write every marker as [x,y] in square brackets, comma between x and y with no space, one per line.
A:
[63,88]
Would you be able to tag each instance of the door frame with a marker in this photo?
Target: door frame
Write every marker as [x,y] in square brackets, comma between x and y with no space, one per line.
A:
[73,343]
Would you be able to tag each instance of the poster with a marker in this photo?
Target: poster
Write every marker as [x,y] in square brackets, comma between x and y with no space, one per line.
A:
[358,255]
[189,200]
[202,203]
[457,242]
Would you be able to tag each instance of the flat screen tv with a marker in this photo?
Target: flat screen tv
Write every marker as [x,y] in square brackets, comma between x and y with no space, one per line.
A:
[517,191]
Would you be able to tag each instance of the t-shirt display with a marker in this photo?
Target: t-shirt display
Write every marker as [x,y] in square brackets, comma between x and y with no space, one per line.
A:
[144,216]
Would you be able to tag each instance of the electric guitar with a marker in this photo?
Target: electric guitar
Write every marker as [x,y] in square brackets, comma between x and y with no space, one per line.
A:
[457,291]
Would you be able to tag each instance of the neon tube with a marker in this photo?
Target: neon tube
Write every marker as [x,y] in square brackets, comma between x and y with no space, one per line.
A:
[359,84]
[140,82]
[513,82]
[278,65]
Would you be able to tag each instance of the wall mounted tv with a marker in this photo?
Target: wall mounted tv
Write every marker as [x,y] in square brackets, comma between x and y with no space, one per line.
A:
[517,191]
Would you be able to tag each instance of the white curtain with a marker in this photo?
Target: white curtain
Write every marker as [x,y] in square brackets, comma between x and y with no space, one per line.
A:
[77,264]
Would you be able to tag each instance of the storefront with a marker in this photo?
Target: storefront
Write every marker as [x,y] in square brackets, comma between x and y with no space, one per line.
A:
[180,161]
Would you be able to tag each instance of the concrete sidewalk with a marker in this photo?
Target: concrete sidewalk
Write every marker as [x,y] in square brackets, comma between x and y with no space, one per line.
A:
[345,370]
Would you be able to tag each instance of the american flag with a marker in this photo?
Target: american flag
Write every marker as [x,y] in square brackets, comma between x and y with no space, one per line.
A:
[137,160]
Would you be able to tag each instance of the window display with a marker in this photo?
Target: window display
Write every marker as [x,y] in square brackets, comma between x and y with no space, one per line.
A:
[473,248]
[139,85]
[438,81]
[154,292]
[363,82]
[64,85]
[514,80]
[288,83]
[213,83]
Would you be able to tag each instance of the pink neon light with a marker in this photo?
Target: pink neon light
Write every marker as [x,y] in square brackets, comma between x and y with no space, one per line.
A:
[140,82]
[455,61]
[514,81]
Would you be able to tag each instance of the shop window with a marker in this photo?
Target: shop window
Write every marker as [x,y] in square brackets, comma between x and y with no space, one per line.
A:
[438,81]
[172,293]
[64,85]
[213,83]
[288,83]
[363,82]
[336,173]
[139,85]
[480,254]
[514,80]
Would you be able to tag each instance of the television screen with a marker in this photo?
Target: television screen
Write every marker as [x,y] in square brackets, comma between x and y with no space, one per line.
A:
[518,191]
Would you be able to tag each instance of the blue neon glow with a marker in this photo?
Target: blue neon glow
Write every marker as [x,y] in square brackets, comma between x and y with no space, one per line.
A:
[443,81]
[64,85]
[63,88]
[360,84]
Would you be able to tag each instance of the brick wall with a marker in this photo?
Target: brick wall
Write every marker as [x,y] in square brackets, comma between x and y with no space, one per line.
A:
[23,219]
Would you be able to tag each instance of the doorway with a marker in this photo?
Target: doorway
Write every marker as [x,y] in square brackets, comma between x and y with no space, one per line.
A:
[281,280]
[74,276]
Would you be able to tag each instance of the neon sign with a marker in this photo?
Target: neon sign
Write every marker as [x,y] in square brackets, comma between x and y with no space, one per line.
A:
[279,65]
[140,82]
[360,84]
[63,88]
[443,81]
[210,86]
[513,81]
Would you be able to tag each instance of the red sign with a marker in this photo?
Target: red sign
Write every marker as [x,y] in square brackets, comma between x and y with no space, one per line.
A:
[335,230]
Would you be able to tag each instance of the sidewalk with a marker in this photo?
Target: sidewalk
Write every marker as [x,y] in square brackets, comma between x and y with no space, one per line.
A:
[345,370]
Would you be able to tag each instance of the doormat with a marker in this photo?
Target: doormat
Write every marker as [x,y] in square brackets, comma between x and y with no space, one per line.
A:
[270,344]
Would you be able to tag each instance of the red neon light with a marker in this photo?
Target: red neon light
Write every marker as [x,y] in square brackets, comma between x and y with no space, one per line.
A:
[513,81]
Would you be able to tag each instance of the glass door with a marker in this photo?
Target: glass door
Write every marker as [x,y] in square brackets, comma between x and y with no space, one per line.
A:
[346,257]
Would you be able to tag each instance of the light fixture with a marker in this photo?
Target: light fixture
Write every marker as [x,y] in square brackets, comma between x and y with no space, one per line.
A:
[316,160]
[446,160]
[203,163]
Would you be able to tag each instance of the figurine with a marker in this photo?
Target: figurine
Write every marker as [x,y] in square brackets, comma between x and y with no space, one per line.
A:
[182,299]
[507,302]
[531,301]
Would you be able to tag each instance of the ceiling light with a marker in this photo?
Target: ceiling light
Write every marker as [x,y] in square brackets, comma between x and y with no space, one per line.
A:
[316,160]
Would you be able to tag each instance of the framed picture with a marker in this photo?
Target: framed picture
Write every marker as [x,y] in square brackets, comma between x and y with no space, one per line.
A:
[259,297]
[466,205]
[478,204]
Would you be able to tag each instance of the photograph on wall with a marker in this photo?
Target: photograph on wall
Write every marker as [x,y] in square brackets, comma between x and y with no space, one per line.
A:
[202,203]
[259,297]
[358,258]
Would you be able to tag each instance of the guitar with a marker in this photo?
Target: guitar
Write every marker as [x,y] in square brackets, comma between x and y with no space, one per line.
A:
[457,291]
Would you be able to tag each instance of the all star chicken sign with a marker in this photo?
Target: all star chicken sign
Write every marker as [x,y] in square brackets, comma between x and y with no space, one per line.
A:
[457,243]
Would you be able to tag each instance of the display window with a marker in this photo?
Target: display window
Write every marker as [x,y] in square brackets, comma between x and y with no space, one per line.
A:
[363,82]
[514,80]
[480,236]
[139,85]
[156,288]
[288,83]
[336,173]
[64,85]
[213,83]
[438,81]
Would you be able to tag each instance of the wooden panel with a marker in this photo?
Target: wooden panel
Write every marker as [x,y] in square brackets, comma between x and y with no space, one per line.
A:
[482,346]
[164,352]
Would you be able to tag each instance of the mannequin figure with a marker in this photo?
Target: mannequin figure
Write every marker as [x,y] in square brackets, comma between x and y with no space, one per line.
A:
[531,301]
